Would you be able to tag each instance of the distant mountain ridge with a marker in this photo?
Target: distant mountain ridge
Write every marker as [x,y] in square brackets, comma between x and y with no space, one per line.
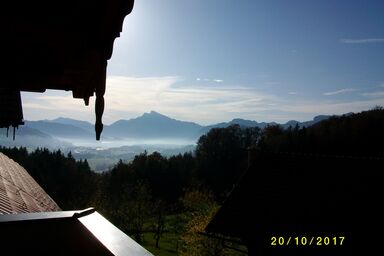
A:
[150,125]
[60,130]
[261,125]
[77,123]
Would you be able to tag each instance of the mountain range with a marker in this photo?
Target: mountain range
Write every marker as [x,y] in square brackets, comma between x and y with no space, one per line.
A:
[152,125]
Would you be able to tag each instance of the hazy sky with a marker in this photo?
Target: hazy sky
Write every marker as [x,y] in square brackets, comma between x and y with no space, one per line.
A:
[214,60]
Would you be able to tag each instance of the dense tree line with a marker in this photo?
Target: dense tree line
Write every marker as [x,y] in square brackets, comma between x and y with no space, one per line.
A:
[137,196]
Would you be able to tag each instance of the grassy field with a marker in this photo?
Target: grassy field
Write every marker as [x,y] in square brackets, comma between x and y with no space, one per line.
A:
[168,244]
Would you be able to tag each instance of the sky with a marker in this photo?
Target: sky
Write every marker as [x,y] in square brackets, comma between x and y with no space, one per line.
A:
[210,61]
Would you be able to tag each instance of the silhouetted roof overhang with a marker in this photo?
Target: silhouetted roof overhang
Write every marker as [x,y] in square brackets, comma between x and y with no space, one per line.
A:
[63,45]
[64,233]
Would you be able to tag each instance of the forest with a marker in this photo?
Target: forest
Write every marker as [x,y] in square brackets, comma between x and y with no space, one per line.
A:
[165,202]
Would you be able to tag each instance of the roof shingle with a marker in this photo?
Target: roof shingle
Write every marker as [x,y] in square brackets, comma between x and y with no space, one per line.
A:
[19,192]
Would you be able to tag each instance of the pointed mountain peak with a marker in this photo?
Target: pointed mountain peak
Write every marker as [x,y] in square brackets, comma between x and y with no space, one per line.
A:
[154,114]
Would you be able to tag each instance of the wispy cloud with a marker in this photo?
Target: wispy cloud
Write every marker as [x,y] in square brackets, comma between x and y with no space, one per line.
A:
[53,104]
[362,40]
[129,97]
[209,80]
[341,91]
[123,98]
[292,93]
